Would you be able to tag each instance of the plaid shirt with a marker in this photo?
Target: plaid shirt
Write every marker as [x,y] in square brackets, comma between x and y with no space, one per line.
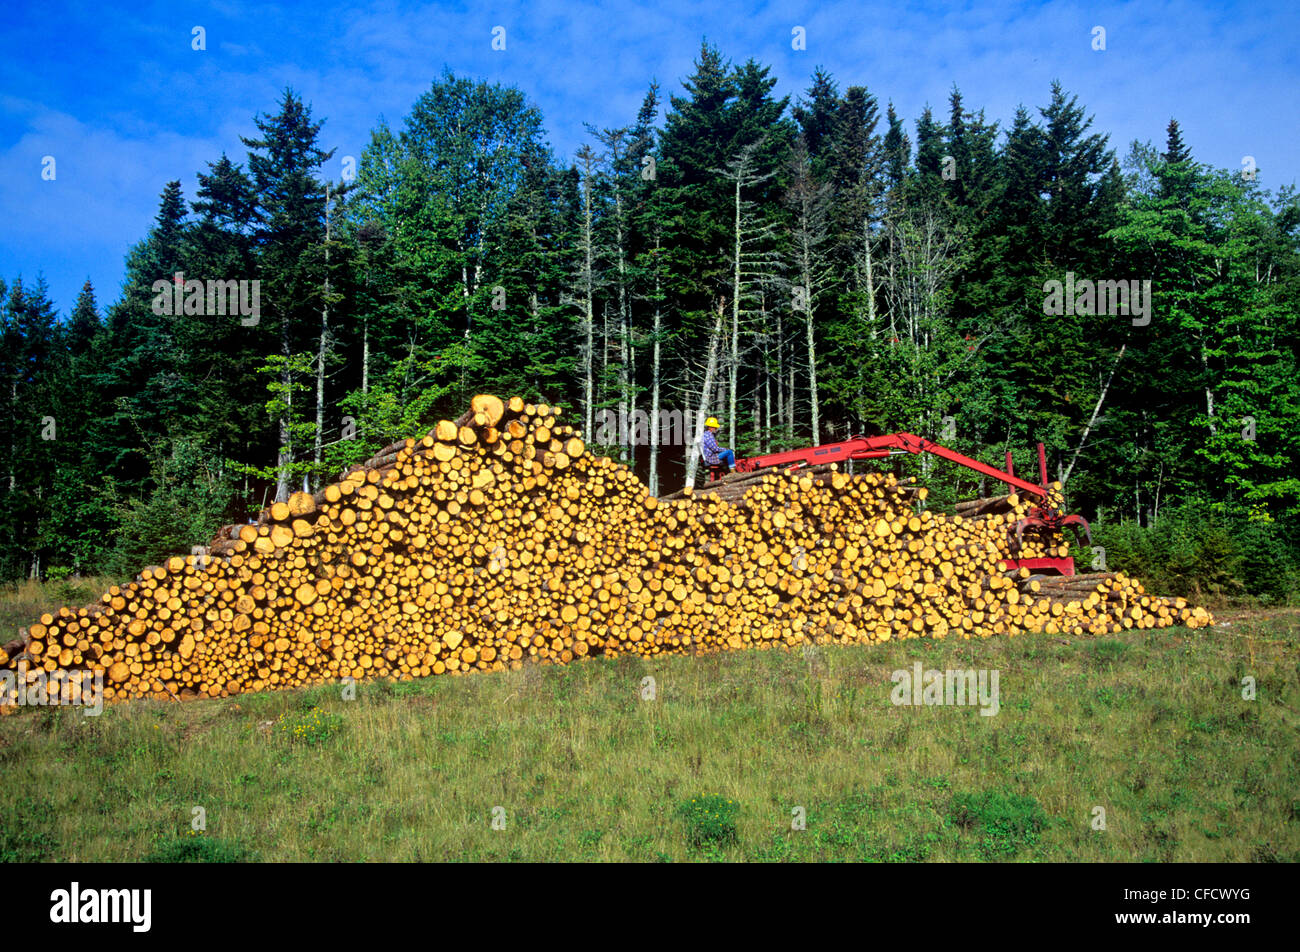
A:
[710,449]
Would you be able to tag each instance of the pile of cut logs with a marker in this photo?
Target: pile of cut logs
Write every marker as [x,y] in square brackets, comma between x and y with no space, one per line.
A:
[496,539]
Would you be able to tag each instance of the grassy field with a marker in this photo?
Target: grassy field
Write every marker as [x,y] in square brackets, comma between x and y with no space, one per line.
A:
[576,765]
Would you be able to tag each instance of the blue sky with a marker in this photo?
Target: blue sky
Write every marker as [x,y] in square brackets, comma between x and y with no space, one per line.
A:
[124,104]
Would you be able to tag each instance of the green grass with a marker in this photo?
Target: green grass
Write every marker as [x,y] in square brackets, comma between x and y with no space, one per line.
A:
[1005,824]
[1150,727]
[21,603]
[199,848]
[710,822]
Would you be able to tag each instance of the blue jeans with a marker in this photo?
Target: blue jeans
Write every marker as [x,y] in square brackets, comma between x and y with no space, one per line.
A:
[727,458]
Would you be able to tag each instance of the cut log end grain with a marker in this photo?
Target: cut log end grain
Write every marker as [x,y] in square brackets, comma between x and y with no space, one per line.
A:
[497,539]
[489,407]
[301,504]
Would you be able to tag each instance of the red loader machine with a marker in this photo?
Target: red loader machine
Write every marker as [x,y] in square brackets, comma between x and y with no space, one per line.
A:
[1045,517]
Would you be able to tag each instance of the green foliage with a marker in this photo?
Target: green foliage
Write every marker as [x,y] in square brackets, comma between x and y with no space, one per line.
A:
[24,837]
[287,380]
[82,523]
[196,847]
[1219,369]
[403,402]
[311,727]
[1105,653]
[1005,824]
[1270,558]
[710,821]
[189,499]
[1204,549]
[68,590]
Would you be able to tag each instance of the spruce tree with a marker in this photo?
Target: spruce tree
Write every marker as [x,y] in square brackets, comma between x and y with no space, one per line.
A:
[817,117]
[284,162]
[898,149]
[83,323]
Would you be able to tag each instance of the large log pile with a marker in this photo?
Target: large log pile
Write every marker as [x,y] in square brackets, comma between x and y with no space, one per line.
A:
[496,539]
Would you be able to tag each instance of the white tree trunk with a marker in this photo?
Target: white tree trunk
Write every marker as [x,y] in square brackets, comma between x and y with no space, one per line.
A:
[285,458]
[1101,398]
[780,370]
[710,372]
[589,307]
[812,373]
[654,385]
[734,359]
[654,408]
[789,418]
[626,402]
[323,345]
[365,355]
[464,291]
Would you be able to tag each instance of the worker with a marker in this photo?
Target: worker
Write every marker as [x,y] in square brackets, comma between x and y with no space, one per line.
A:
[715,455]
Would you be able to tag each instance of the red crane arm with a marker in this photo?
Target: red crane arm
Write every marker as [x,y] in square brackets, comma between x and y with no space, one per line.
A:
[876,447]
[1045,515]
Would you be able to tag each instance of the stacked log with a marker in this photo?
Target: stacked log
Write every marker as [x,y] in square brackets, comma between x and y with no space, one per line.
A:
[496,539]
[993,505]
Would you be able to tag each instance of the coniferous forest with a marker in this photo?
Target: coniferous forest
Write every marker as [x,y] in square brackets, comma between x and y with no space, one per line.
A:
[804,269]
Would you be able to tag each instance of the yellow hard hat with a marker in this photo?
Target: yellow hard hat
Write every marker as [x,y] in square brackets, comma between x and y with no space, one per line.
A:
[712,421]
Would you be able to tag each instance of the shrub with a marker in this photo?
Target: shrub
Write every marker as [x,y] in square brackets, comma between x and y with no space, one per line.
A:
[710,820]
[1005,823]
[189,500]
[1205,550]
[197,847]
[311,727]
[24,836]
